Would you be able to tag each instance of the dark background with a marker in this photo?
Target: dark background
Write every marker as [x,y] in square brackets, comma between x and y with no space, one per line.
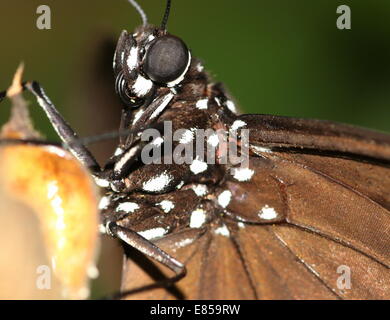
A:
[276,57]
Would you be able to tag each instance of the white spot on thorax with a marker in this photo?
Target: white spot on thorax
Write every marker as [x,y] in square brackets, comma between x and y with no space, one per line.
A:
[153,233]
[128,207]
[223,231]
[166,205]
[242,174]
[187,137]
[199,189]
[238,124]
[101,182]
[224,198]
[104,202]
[267,213]
[199,67]
[202,104]
[198,218]
[198,166]
[213,140]
[157,183]
[218,101]
[142,86]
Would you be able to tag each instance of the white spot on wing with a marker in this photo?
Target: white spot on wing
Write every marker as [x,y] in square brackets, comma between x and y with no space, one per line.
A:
[224,198]
[127,207]
[242,174]
[241,225]
[198,218]
[198,166]
[267,213]
[158,182]
[223,231]
[153,233]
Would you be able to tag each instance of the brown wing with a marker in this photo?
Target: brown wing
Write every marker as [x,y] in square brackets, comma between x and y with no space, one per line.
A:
[334,214]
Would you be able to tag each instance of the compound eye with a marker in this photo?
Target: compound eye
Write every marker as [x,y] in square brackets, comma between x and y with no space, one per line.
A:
[166,59]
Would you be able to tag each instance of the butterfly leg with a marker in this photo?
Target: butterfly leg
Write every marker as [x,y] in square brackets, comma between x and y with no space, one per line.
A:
[143,245]
[63,129]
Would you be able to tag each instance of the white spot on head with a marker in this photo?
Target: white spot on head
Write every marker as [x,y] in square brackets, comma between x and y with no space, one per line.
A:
[231,106]
[202,104]
[223,231]
[224,198]
[128,207]
[104,202]
[238,124]
[166,205]
[132,59]
[242,174]
[213,140]
[199,189]
[198,166]
[267,213]
[153,233]
[142,86]
[157,183]
[198,218]
[186,137]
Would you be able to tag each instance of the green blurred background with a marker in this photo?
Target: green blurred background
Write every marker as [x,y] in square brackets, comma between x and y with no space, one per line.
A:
[277,57]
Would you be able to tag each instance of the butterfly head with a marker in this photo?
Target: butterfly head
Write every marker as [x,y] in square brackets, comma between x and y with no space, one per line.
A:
[147,60]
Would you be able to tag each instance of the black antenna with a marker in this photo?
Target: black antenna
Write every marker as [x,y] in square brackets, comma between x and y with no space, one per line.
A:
[166,15]
[140,11]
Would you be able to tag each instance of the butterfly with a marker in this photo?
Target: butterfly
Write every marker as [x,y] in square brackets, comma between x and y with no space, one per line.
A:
[306,217]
